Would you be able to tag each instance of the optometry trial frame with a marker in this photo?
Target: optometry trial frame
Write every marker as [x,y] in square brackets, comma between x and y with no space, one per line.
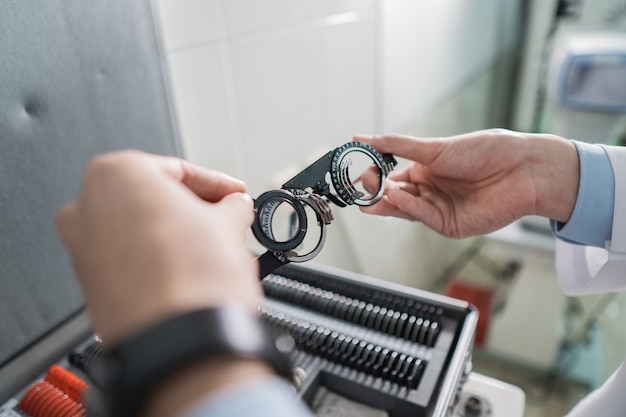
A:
[282,216]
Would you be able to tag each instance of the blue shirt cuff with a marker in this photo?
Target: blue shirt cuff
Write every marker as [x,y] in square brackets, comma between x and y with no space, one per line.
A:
[264,398]
[591,221]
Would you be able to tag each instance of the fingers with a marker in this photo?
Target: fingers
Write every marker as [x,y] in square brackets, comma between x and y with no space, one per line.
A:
[416,149]
[406,205]
[239,208]
[409,187]
[385,208]
[416,208]
[371,180]
[207,184]
[107,174]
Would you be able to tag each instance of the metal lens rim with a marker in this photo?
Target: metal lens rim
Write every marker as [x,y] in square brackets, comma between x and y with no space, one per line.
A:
[278,197]
[324,217]
[339,155]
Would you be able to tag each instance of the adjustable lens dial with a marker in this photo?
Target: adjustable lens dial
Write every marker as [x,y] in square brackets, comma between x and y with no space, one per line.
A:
[358,173]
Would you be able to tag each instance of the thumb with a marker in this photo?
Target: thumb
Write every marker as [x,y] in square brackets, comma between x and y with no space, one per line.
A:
[422,150]
[238,208]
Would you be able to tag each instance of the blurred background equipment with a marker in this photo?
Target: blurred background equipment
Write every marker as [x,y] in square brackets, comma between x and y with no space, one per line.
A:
[587,87]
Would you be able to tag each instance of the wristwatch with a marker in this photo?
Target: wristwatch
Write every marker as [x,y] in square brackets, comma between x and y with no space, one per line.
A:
[128,372]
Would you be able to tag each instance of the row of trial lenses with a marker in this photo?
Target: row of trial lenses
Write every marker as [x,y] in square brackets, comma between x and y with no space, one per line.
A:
[400,324]
[361,355]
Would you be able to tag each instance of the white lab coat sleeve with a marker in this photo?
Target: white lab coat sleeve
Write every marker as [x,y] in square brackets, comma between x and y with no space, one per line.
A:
[587,270]
[590,270]
[607,401]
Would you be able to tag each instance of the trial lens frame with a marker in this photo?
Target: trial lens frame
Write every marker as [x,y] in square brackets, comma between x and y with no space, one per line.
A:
[311,188]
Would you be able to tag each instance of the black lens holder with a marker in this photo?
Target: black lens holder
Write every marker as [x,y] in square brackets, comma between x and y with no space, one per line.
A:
[310,188]
[265,206]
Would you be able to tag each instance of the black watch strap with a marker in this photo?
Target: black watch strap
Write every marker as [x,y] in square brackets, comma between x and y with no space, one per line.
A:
[130,370]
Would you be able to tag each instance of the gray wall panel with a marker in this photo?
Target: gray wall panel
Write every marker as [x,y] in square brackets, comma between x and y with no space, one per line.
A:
[76,78]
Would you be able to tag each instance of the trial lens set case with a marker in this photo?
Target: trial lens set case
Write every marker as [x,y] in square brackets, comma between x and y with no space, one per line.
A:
[82,78]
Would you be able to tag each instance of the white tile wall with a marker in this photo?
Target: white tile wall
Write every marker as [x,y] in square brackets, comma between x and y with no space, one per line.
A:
[249,16]
[430,50]
[261,85]
[281,103]
[351,76]
[202,99]
[189,22]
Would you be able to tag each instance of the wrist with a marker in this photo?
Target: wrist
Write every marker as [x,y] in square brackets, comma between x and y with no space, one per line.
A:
[556,174]
[229,338]
[200,380]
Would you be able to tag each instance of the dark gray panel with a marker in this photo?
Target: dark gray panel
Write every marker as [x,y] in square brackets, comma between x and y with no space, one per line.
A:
[76,78]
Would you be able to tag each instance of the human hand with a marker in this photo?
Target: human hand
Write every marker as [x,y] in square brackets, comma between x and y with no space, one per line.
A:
[478,182]
[151,236]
